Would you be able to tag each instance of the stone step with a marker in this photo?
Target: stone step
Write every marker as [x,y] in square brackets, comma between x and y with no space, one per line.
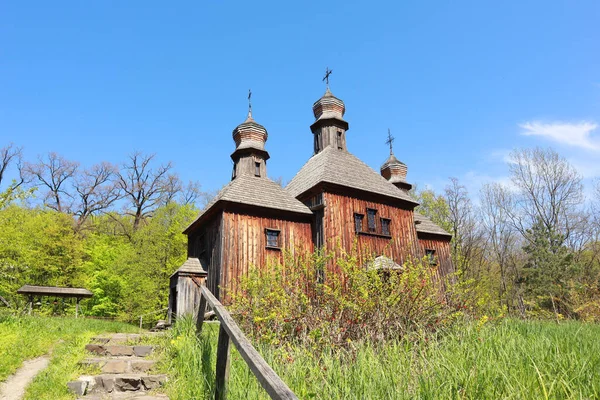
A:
[114,384]
[124,338]
[120,365]
[119,395]
[119,350]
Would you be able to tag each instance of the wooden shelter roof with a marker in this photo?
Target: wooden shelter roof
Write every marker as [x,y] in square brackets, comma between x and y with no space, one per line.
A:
[256,191]
[191,265]
[345,169]
[424,225]
[54,291]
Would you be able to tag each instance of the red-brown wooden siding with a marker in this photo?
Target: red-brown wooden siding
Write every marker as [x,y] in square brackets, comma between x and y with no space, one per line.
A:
[442,253]
[339,228]
[244,244]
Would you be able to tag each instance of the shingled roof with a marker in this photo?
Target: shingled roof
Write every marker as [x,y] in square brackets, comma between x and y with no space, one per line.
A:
[256,191]
[342,168]
[54,291]
[192,266]
[424,225]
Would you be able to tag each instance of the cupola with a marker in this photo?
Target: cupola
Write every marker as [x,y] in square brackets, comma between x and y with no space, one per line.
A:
[395,170]
[329,128]
[250,156]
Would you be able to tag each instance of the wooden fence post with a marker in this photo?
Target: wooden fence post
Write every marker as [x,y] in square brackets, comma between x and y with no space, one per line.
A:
[222,365]
[200,316]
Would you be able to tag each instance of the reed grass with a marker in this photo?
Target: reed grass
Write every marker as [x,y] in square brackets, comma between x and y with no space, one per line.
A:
[510,359]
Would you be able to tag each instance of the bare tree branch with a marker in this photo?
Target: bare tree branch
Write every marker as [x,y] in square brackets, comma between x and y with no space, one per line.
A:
[8,155]
[191,193]
[96,191]
[54,172]
[142,186]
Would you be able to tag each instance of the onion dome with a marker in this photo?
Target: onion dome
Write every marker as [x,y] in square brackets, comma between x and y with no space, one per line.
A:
[329,107]
[250,156]
[250,134]
[395,172]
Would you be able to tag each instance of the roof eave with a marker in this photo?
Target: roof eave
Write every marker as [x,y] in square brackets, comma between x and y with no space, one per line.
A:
[338,121]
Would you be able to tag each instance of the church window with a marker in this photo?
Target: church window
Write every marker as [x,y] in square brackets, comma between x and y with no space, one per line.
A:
[272,238]
[339,140]
[385,226]
[256,169]
[371,213]
[430,254]
[233,173]
[358,222]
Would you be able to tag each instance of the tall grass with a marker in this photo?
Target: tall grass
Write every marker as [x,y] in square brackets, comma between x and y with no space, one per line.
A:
[22,338]
[510,360]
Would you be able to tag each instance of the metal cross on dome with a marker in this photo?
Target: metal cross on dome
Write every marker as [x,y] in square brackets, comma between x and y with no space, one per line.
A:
[326,77]
[249,101]
[390,140]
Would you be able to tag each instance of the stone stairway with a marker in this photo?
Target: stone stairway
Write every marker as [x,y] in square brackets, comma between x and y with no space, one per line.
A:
[124,371]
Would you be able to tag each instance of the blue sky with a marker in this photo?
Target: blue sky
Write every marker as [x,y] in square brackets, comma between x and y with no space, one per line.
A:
[458,83]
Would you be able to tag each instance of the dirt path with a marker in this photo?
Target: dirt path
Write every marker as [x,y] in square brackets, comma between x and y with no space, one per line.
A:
[14,387]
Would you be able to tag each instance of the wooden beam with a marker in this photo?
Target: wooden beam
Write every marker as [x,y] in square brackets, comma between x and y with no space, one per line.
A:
[200,315]
[222,369]
[269,380]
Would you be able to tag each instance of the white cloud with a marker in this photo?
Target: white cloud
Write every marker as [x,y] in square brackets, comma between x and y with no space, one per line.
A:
[572,134]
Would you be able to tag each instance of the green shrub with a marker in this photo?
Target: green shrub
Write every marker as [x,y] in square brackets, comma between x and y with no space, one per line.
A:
[285,302]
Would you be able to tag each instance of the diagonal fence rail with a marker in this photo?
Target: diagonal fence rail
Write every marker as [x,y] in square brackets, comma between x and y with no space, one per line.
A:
[230,332]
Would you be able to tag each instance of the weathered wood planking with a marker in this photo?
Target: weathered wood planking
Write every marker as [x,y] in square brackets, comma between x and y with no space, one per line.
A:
[229,330]
[442,252]
[188,296]
[206,245]
[338,223]
[223,362]
[244,244]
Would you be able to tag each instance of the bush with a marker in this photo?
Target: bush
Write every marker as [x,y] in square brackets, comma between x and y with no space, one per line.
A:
[284,302]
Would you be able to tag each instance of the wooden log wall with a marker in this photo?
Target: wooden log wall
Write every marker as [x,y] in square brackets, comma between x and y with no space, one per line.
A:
[339,228]
[245,244]
[206,245]
[188,296]
[442,252]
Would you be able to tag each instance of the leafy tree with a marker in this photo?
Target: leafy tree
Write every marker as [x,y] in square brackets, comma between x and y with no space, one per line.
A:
[434,207]
[38,247]
[157,250]
[548,269]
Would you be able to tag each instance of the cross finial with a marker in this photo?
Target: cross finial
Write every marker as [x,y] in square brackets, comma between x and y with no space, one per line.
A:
[326,77]
[390,140]
[250,102]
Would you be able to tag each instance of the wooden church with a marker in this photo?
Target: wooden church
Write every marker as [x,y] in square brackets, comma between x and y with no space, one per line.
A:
[334,198]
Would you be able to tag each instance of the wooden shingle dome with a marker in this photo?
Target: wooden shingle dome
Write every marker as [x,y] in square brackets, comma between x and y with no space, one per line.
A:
[329,128]
[250,134]
[250,156]
[395,171]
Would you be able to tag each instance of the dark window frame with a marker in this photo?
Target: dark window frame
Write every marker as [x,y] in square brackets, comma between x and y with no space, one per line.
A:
[359,217]
[340,146]
[256,168]
[385,224]
[372,218]
[269,244]
[430,254]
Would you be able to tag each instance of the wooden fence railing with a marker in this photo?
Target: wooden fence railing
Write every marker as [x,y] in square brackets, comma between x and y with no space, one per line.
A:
[229,331]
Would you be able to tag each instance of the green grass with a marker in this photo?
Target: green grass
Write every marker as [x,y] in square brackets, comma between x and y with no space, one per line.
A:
[29,337]
[509,360]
